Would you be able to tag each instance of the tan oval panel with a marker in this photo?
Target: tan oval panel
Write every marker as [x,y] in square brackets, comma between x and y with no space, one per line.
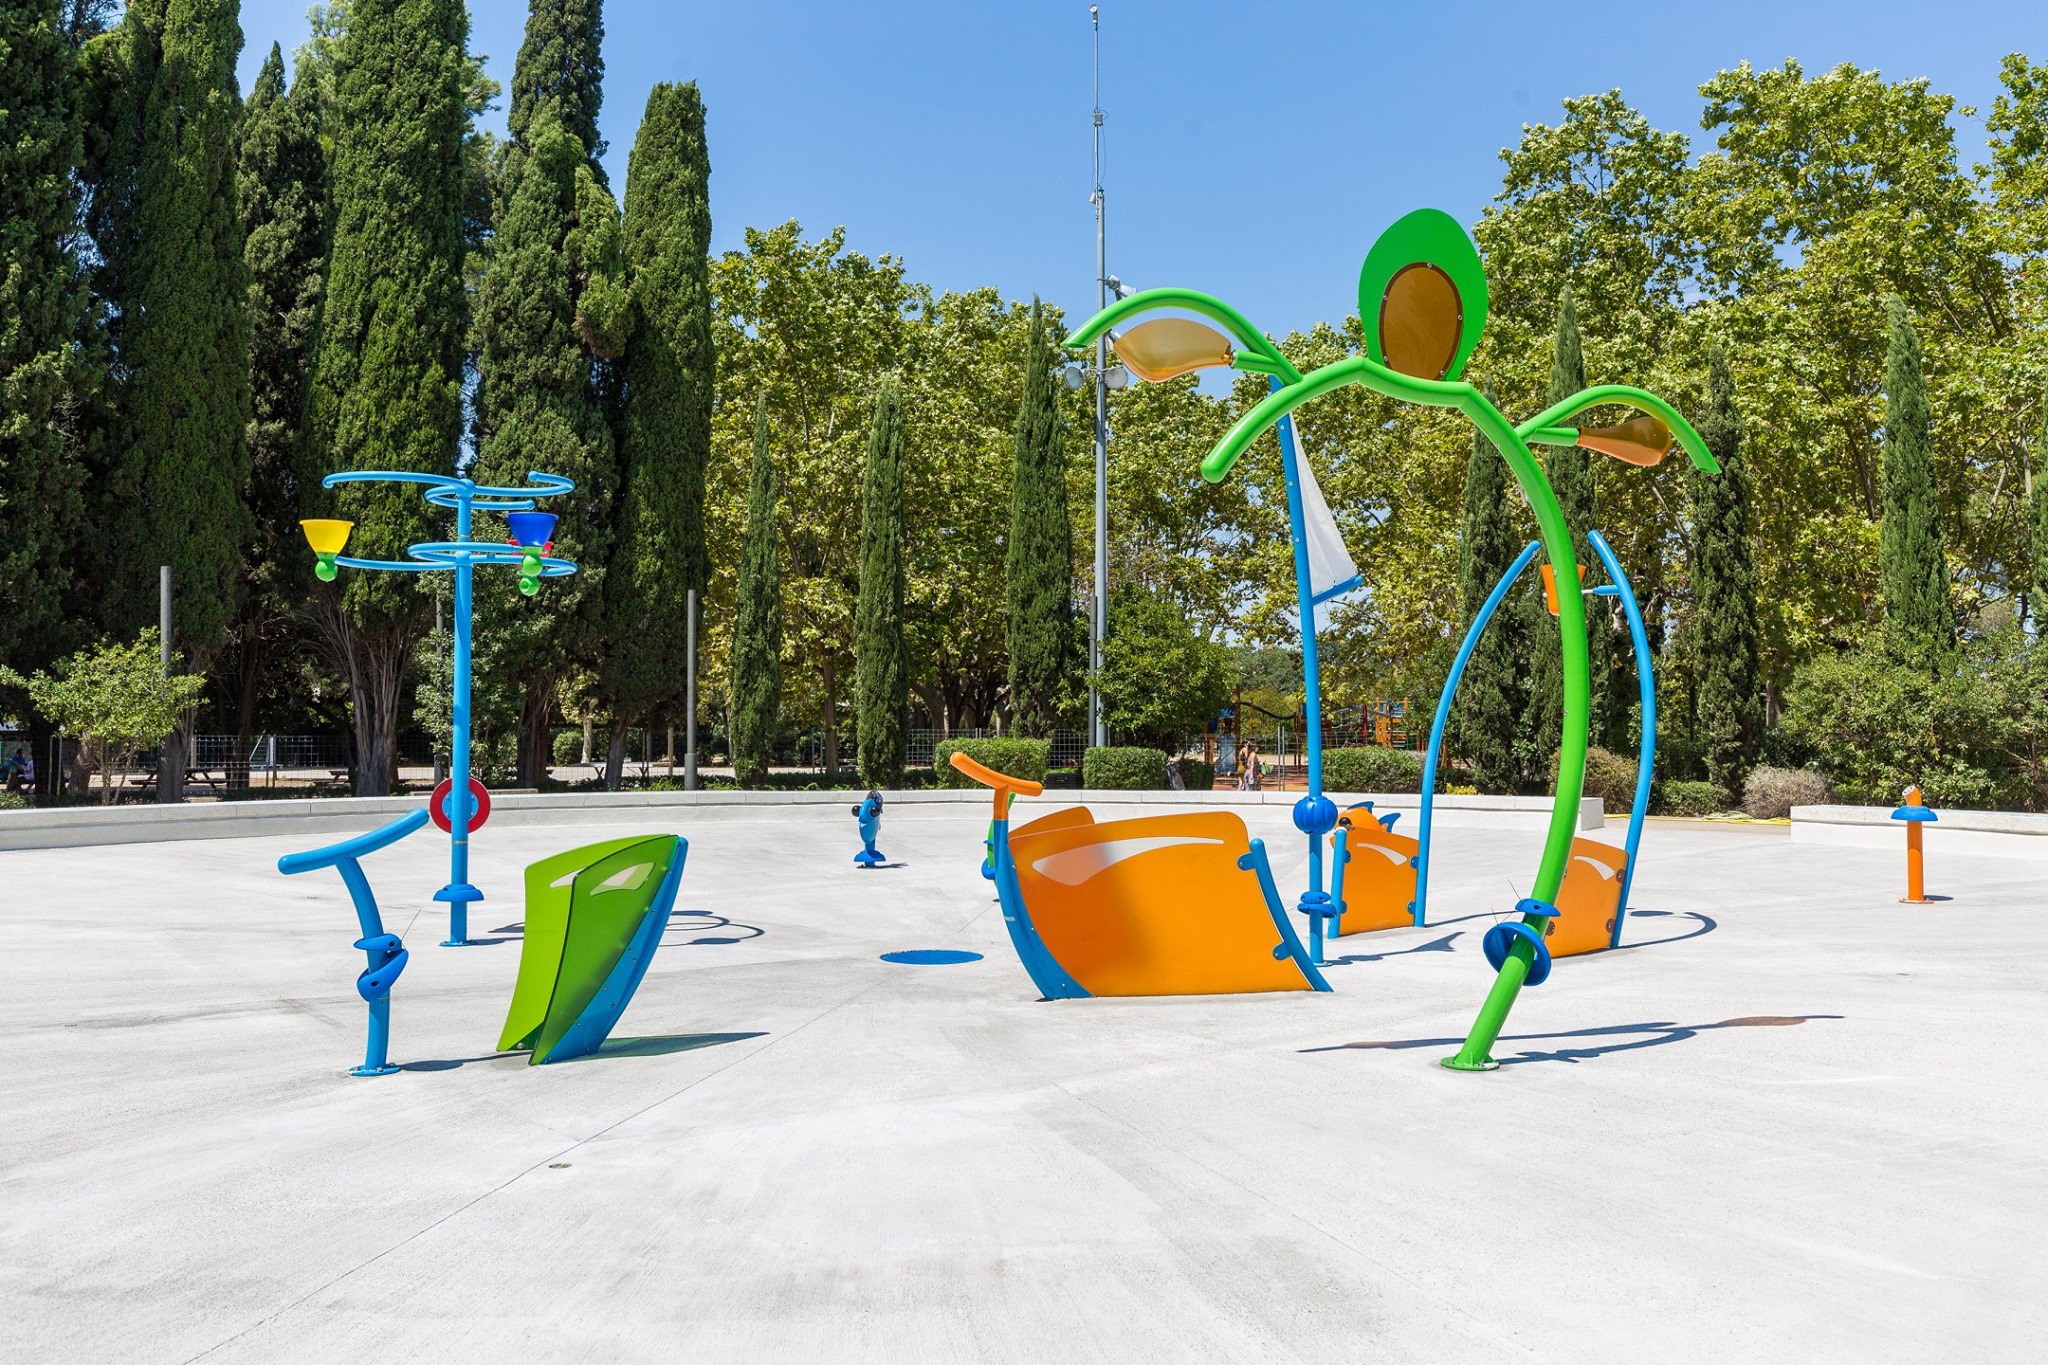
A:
[1643,441]
[1421,318]
[1159,350]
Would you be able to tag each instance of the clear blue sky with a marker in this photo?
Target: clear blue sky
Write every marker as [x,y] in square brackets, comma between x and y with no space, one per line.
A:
[957,134]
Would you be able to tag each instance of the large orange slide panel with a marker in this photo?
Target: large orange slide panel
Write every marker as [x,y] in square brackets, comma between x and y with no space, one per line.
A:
[1152,906]
[1379,881]
[1588,900]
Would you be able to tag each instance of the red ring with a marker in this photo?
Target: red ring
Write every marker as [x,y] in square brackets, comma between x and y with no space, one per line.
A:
[437,805]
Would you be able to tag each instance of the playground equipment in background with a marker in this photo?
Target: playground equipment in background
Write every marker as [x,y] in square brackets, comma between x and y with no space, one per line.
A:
[386,953]
[869,813]
[1916,816]
[594,917]
[1385,723]
[1592,902]
[456,804]
[1160,905]
[1423,302]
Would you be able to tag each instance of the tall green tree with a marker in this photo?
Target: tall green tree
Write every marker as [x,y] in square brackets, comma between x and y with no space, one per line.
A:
[881,681]
[658,550]
[46,364]
[1492,696]
[184,463]
[757,625]
[1913,567]
[387,370]
[1039,559]
[812,327]
[2038,538]
[561,70]
[282,183]
[551,313]
[1728,695]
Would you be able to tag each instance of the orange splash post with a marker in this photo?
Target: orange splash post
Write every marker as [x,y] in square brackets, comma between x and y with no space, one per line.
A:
[1915,814]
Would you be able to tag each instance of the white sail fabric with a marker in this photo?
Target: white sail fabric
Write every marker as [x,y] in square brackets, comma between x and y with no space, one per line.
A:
[1331,572]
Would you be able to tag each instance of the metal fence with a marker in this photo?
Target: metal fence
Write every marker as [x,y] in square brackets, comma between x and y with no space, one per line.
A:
[282,753]
[1067,745]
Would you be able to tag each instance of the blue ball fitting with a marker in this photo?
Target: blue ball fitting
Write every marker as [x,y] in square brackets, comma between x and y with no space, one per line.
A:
[1315,816]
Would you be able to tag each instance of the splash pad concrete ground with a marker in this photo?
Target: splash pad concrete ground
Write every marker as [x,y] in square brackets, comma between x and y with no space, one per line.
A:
[1797,1122]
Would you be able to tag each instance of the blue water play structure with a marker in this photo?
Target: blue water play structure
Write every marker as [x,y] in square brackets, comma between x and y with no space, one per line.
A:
[869,814]
[387,955]
[1592,863]
[458,805]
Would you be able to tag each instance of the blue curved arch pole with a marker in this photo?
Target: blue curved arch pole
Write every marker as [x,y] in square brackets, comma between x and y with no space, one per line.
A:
[1617,585]
[1420,909]
[1314,815]
[386,952]
[465,498]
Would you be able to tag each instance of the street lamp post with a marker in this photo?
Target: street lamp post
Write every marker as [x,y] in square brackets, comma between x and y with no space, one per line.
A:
[1099,622]
[531,540]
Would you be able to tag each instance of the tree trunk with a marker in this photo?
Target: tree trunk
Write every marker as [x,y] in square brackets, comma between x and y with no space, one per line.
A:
[170,767]
[615,757]
[830,719]
[249,661]
[536,714]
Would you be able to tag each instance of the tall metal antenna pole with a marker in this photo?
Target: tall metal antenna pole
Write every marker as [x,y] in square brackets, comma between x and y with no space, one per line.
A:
[1097,731]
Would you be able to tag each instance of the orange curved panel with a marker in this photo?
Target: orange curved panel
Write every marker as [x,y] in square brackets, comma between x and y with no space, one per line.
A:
[1152,906]
[1588,900]
[1379,881]
[1056,819]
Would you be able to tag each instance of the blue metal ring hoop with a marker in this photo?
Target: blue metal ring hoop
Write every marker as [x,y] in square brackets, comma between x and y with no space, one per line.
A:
[1501,936]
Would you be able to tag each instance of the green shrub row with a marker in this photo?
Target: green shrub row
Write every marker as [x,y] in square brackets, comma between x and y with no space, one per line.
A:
[1694,798]
[1019,758]
[1119,768]
[1371,770]
[1195,775]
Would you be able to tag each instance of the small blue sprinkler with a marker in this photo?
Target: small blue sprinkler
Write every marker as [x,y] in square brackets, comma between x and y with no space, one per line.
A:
[869,813]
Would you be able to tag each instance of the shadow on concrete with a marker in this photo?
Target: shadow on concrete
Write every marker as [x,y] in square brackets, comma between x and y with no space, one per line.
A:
[657,1046]
[1435,945]
[1702,924]
[701,923]
[1638,1036]
[663,1045]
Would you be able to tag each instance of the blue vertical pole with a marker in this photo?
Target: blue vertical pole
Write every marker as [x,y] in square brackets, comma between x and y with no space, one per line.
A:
[1314,815]
[459,893]
[1646,688]
[1420,910]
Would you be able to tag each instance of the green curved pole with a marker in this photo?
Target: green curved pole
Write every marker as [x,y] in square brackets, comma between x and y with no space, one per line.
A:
[1262,355]
[1477,1053]
[1695,448]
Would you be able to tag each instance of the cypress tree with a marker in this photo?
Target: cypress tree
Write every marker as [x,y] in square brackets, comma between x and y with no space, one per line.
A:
[1913,572]
[561,68]
[1570,471]
[1038,566]
[45,367]
[550,311]
[184,461]
[2039,606]
[882,664]
[1491,698]
[658,552]
[1728,699]
[757,624]
[282,183]
[387,371]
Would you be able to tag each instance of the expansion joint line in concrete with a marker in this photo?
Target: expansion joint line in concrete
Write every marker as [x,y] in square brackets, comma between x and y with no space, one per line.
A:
[515,1178]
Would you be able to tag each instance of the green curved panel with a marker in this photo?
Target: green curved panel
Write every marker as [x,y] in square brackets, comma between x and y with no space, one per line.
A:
[1427,237]
[583,908]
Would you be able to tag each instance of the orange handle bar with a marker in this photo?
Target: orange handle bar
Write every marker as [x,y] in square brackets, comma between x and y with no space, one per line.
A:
[1003,784]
